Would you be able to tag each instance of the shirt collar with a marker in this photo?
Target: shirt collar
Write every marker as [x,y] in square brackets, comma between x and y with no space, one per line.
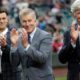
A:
[32,34]
[4,32]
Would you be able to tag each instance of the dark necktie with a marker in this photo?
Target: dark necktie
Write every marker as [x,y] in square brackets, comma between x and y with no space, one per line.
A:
[29,38]
[29,61]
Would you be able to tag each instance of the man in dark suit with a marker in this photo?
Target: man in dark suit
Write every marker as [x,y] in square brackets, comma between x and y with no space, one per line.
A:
[34,52]
[7,71]
[70,51]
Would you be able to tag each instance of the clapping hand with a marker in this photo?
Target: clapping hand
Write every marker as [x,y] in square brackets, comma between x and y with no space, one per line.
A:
[14,37]
[24,38]
[3,42]
[74,34]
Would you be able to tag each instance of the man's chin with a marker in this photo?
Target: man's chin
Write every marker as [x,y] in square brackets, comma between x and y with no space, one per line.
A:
[28,32]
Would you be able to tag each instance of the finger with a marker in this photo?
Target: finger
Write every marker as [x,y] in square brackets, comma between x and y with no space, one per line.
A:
[78,28]
[3,42]
[19,31]
[24,31]
[24,36]
[3,39]
[13,30]
[72,28]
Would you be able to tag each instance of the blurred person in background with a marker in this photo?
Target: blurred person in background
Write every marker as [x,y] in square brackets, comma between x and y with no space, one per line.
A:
[50,28]
[56,12]
[32,49]
[57,41]
[70,52]
[0,3]
[42,23]
[7,71]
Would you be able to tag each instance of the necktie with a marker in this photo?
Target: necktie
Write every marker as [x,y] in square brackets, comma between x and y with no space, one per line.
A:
[29,38]
[29,60]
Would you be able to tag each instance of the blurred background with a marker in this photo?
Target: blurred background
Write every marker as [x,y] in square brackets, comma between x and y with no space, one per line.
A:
[54,16]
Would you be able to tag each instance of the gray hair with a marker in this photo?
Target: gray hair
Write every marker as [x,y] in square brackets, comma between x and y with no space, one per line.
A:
[27,11]
[75,5]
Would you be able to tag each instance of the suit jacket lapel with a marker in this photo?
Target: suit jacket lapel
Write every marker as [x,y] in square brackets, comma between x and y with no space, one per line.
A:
[8,37]
[35,37]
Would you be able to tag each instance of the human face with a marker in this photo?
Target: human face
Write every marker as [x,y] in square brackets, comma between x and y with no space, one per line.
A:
[28,22]
[3,21]
[77,15]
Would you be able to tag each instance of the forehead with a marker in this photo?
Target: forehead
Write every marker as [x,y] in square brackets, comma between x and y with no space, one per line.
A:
[26,17]
[77,9]
[3,15]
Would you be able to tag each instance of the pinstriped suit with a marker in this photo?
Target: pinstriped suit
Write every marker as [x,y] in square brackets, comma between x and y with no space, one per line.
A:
[8,71]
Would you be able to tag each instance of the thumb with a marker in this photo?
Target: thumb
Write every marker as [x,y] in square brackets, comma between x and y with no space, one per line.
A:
[73,28]
[78,28]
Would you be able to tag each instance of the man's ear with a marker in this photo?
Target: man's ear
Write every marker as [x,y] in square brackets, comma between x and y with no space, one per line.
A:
[7,20]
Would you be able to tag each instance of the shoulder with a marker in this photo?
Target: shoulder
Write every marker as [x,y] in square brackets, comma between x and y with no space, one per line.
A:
[44,34]
[11,26]
[67,32]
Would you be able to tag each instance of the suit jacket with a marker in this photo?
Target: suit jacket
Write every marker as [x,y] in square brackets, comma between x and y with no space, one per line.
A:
[8,71]
[37,60]
[71,56]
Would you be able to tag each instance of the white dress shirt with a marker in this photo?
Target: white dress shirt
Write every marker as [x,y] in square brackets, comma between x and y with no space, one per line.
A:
[2,34]
[31,37]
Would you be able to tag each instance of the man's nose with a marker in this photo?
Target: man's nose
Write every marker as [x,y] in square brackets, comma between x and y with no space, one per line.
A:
[1,20]
[27,23]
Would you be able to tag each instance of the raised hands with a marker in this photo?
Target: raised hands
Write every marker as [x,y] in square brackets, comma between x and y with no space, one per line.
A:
[24,38]
[3,42]
[74,34]
[14,37]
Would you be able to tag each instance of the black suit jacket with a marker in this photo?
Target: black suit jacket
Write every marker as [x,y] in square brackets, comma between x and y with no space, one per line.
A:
[71,56]
[9,72]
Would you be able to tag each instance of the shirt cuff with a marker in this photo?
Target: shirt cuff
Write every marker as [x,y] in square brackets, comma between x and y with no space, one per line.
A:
[13,49]
[27,47]
[73,45]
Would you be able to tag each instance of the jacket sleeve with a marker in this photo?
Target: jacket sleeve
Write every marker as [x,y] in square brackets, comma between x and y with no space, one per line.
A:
[14,57]
[78,46]
[43,51]
[6,49]
[67,50]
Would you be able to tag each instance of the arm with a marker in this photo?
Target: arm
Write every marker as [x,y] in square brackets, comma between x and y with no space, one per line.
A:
[14,56]
[67,50]
[78,46]
[8,53]
[6,49]
[41,54]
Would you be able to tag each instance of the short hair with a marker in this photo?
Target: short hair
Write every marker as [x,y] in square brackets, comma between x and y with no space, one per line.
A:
[27,11]
[3,10]
[75,5]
